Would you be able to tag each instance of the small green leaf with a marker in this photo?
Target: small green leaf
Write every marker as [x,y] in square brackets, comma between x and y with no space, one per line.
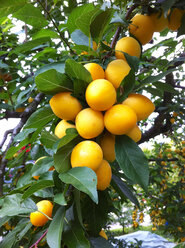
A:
[55,229]
[133,62]
[58,66]
[80,38]
[52,82]
[75,14]
[100,23]
[45,33]
[31,15]
[13,206]
[74,236]
[132,160]
[36,187]
[165,87]
[117,182]
[29,45]
[40,117]
[48,139]
[82,178]
[128,85]
[60,199]
[100,242]
[10,6]
[80,76]
[12,150]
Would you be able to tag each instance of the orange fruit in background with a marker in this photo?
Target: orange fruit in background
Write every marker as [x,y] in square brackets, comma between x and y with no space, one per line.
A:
[116,71]
[87,153]
[62,126]
[120,119]
[65,106]
[100,94]
[20,110]
[103,234]
[107,143]
[104,175]
[175,18]
[160,21]
[89,123]
[39,219]
[142,27]
[135,133]
[95,70]
[128,45]
[30,99]
[141,105]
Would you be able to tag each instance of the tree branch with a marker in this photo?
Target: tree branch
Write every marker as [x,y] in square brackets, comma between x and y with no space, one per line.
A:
[5,137]
[56,27]
[38,241]
[24,117]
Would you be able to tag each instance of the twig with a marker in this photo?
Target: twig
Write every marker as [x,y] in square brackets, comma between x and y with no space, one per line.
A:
[129,12]
[38,241]
[5,137]
[24,117]
[61,35]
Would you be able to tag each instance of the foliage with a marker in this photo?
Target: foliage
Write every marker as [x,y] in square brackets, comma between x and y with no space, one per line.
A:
[57,40]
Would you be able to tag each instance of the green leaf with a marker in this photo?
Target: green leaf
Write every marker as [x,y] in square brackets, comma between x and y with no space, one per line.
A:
[58,66]
[153,79]
[165,87]
[74,236]
[128,85]
[100,242]
[10,6]
[71,134]
[36,187]
[13,206]
[95,215]
[40,117]
[4,220]
[78,206]
[75,14]
[52,82]
[132,160]
[60,199]
[181,30]
[81,77]
[84,21]
[82,178]
[46,33]
[29,45]
[167,4]
[48,139]
[117,182]
[23,232]
[133,62]
[80,38]
[100,23]
[31,15]
[55,229]
[12,150]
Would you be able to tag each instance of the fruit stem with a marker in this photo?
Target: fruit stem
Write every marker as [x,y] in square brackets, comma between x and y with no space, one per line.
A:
[45,215]
[38,241]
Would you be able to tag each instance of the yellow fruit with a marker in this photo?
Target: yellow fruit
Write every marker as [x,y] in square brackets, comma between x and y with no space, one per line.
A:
[95,70]
[107,143]
[174,19]
[141,105]
[160,21]
[100,94]
[172,120]
[142,27]
[103,234]
[175,114]
[20,110]
[60,130]
[104,175]
[30,99]
[89,123]
[120,119]
[116,71]
[65,106]
[87,153]
[128,45]
[39,219]
[94,45]
[135,133]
